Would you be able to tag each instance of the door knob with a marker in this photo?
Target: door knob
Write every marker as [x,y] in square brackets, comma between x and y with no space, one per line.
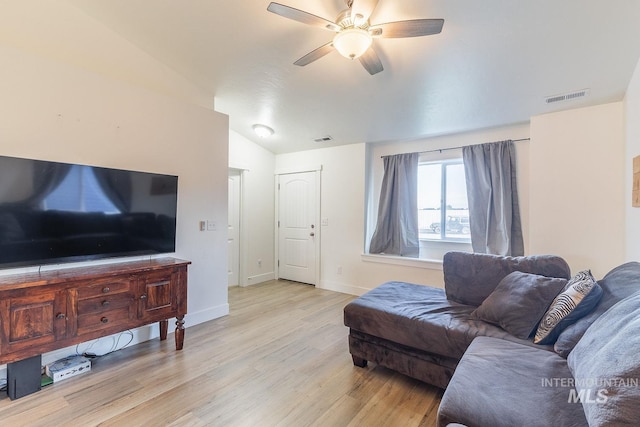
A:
[312,234]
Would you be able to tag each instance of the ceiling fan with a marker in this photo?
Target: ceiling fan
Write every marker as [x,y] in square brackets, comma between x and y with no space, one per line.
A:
[354,33]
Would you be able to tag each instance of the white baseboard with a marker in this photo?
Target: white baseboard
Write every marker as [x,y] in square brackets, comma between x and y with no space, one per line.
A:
[344,288]
[192,319]
[260,278]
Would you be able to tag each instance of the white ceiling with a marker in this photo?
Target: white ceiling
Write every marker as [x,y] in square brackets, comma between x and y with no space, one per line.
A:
[493,64]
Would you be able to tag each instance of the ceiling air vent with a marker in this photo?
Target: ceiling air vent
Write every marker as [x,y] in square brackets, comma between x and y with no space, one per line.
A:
[567,96]
[323,139]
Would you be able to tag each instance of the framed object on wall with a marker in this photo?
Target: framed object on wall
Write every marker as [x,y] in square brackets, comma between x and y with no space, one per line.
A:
[636,182]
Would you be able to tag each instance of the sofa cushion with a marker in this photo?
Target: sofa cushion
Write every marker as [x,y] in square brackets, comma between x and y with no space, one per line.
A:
[469,278]
[616,285]
[499,383]
[420,317]
[578,298]
[606,367]
[519,301]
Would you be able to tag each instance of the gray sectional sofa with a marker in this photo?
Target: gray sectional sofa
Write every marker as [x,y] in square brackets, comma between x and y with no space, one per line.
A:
[475,339]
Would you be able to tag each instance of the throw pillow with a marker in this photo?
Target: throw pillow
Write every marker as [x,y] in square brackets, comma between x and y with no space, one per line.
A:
[616,285]
[605,366]
[518,302]
[578,298]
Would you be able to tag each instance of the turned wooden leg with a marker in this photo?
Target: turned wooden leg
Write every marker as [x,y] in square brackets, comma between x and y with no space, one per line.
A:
[179,332]
[164,326]
[359,361]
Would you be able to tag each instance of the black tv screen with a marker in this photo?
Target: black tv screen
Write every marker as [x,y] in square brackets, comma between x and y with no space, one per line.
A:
[57,212]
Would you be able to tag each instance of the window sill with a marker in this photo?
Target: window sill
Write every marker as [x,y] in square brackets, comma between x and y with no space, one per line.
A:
[429,264]
[445,240]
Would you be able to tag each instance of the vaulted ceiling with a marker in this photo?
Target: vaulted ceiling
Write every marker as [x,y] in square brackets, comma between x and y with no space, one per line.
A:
[494,63]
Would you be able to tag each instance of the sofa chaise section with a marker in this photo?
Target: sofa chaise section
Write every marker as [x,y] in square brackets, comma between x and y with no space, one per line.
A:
[422,331]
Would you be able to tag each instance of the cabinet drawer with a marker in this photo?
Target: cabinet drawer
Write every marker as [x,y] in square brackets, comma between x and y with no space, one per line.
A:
[104,287]
[105,319]
[104,303]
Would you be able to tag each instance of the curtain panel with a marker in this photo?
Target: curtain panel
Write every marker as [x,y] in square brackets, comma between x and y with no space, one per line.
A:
[397,225]
[494,211]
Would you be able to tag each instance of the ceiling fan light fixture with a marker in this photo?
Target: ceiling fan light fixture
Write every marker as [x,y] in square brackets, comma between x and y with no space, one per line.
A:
[263,131]
[352,42]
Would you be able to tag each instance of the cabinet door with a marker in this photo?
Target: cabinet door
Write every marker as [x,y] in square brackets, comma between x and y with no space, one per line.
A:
[159,295]
[32,320]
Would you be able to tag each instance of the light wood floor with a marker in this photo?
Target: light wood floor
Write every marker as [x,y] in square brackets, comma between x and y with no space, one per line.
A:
[279,359]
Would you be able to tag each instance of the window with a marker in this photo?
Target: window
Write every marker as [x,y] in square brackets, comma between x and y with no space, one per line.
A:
[443,210]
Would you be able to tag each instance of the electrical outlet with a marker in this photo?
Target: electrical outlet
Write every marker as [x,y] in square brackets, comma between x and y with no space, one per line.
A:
[211,225]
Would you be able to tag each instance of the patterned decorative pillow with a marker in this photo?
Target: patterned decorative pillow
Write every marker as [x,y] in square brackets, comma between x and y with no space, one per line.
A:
[581,294]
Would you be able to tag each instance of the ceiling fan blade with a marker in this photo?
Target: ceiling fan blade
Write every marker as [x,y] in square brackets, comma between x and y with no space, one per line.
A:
[411,28]
[314,55]
[371,62]
[302,16]
[363,7]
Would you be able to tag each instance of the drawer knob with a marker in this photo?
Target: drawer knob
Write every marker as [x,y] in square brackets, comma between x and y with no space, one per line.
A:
[104,320]
[143,296]
[61,316]
[105,303]
[105,289]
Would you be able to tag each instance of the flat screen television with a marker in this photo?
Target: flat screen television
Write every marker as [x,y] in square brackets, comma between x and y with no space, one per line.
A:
[57,212]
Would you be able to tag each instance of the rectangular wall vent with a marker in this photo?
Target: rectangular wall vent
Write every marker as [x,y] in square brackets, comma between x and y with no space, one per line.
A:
[323,139]
[567,96]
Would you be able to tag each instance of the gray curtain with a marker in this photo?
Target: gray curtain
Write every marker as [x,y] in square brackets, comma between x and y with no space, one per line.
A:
[494,212]
[397,227]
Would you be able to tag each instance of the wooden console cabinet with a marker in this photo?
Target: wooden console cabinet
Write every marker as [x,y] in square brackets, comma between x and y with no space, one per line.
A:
[41,312]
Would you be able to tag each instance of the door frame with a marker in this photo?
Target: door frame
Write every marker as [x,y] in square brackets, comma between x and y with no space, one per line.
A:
[318,234]
[242,239]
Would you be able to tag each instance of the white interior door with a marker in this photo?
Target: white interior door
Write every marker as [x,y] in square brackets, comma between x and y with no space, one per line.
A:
[298,213]
[233,231]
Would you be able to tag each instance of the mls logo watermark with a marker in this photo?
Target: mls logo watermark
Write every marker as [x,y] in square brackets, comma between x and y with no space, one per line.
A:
[590,390]
[587,395]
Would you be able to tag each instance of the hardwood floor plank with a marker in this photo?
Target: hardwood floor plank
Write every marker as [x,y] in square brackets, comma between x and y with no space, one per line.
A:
[280,358]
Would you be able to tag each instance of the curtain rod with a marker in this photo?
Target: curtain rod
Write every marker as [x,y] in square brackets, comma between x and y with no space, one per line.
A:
[440,150]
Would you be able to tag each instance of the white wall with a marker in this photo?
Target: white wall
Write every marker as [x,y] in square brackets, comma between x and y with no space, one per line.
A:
[571,188]
[571,179]
[257,208]
[54,109]
[343,204]
[632,126]
[577,186]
